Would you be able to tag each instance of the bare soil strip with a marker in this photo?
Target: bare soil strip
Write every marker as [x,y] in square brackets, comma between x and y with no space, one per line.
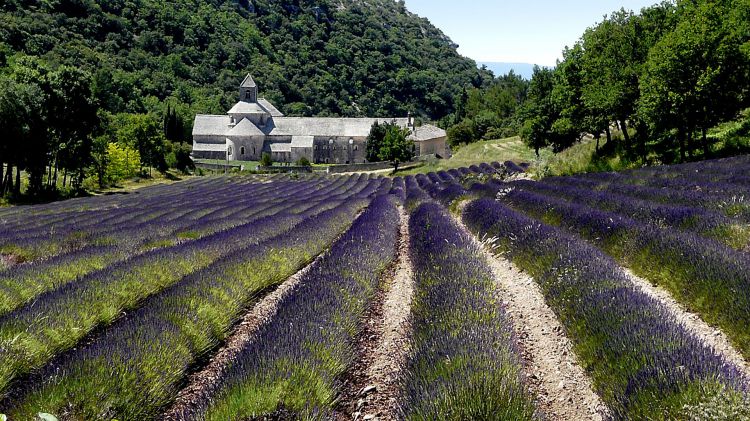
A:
[563,390]
[202,385]
[711,336]
[9,260]
[371,388]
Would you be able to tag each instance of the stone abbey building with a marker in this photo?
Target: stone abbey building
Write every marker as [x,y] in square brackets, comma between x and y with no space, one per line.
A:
[254,126]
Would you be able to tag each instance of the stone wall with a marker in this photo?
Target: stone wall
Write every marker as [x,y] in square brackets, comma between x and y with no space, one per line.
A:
[339,150]
[431,147]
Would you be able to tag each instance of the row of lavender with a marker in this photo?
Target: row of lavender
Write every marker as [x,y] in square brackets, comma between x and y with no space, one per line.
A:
[464,363]
[21,283]
[58,319]
[643,363]
[708,276]
[294,366]
[33,238]
[682,227]
[134,369]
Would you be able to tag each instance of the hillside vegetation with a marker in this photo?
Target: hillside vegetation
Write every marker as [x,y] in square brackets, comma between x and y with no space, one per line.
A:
[664,77]
[80,75]
[309,57]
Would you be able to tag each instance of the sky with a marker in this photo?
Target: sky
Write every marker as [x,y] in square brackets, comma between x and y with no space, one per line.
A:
[518,31]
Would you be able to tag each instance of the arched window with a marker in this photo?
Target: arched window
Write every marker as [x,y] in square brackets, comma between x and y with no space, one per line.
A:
[253,150]
[242,150]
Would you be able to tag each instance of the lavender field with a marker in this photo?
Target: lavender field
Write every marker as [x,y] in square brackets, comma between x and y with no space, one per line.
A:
[474,293]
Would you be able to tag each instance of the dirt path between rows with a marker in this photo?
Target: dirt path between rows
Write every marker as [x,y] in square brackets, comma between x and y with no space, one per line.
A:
[563,390]
[203,384]
[372,387]
[713,337]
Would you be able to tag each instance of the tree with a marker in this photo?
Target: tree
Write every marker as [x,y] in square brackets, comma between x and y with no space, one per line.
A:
[142,132]
[28,84]
[614,53]
[303,162]
[73,117]
[122,162]
[396,147]
[538,113]
[695,76]
[375,141]
[13,115]
[462,133]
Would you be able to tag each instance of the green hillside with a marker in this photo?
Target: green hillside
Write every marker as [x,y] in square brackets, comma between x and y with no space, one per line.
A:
[316,57]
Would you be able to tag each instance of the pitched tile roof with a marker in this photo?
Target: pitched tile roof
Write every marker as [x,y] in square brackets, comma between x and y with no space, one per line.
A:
[248,82]
[269,108]
[281,147]
[245,128]
[324,126]
[427,132]
[243,107]
[302,141]
[210,125]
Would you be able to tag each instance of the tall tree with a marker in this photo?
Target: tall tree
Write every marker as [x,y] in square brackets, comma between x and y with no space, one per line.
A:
[696,75]
[73,118]
[396,147]
[539,113]
[614,54]
[375,141]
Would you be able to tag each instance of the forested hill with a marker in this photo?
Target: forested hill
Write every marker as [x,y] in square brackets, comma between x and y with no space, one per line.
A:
[310,57]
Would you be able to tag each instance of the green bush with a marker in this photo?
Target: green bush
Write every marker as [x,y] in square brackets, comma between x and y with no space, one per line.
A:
[303,162]
[265,160]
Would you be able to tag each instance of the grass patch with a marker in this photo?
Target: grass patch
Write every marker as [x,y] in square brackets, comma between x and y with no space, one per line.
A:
[500,150]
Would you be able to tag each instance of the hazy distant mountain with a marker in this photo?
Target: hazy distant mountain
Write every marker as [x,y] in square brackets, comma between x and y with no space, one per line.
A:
[499,69]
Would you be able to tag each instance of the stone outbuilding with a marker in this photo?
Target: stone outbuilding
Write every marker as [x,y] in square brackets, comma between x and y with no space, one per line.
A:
[254,126]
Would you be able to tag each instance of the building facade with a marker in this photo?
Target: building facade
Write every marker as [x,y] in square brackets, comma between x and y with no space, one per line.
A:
[254,127]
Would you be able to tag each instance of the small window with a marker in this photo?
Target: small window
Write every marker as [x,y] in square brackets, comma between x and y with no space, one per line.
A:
[356,147]
[326,160]
[253,150]
[229,150]
[242,150]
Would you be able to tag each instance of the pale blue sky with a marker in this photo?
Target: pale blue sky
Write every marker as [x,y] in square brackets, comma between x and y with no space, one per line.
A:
[524,31]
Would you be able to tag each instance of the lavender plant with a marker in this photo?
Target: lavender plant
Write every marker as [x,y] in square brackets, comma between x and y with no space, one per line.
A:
[140,362]
[464,362]
[707,276]
[296,361]
[58,319]
[643,363]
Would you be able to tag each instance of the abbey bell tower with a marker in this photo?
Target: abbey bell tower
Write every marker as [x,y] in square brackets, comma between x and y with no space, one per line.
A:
[248,90]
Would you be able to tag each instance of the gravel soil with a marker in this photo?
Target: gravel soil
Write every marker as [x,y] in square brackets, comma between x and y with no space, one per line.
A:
[711,336]
[563,390]
[371,387]
[203,384]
